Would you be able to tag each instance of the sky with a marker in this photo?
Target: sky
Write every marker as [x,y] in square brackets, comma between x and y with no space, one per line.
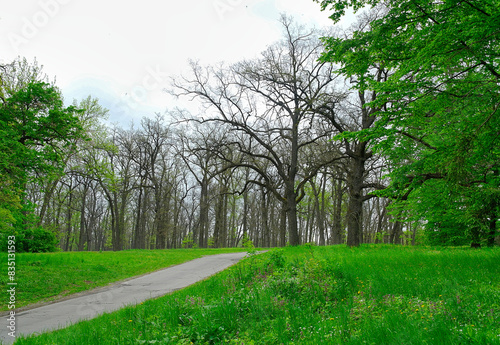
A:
[123,52]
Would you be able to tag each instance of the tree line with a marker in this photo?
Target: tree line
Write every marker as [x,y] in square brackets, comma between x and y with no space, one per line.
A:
[328,137]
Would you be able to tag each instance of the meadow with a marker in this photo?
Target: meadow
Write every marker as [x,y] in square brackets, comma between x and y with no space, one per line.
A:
[374,294]
[45,277]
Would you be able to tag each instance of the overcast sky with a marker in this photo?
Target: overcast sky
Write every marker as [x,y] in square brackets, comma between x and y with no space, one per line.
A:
[123,51]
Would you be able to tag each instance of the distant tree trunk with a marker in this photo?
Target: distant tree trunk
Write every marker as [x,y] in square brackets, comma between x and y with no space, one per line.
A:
[116,235]
[116,221]
[225,221]
[220,218]
[139,239]
[396,232]
[58,207]
[81,242]
[379,234]
[176,236]
[204,208]
[283,226]
[67,246]
[233,226]
[319,212]
[160,232]
[355,181]
[46,200]
[291,210]
[265,223]
[94,218]
[245,214]
[337,213]
[273,225]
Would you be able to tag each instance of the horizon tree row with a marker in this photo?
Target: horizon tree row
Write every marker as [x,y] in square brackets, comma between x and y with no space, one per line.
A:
[317,140]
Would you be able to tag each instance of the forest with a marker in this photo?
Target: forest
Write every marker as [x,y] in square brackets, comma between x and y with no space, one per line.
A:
[387,132]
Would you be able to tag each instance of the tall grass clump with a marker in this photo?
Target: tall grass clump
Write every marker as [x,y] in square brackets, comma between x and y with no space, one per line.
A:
[319,295]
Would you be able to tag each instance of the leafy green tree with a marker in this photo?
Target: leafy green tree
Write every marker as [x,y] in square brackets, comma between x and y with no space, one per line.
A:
[439,120]
[35,129]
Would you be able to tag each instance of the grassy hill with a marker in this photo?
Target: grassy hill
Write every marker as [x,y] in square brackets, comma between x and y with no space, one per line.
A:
[319,295]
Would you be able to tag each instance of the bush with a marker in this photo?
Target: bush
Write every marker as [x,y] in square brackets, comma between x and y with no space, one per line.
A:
[446,234]
[37,240]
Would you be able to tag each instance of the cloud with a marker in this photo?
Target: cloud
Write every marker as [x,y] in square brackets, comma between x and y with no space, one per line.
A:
[110,48]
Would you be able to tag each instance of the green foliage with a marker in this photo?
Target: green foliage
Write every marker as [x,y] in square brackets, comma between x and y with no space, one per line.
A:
[188,241]
[30,237]
[211,242]
[247,242]
[439,99]
[37,128]
[36,134]
[10,204]
[36,240]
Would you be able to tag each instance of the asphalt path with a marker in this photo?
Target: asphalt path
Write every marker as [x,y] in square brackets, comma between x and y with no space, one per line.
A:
[107,299]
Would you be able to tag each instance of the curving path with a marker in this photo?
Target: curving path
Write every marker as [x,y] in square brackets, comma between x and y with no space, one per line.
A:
[102,300]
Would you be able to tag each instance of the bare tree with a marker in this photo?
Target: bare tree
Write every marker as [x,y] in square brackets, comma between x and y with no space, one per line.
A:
[270,105]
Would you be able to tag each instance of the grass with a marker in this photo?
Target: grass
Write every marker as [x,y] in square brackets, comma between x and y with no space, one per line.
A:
[50,276]
[319,295]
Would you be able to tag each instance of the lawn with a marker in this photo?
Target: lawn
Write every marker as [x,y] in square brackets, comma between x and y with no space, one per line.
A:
[319,295]
[49,276]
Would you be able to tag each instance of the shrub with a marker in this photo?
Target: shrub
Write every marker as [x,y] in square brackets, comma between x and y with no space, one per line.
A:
[36,240]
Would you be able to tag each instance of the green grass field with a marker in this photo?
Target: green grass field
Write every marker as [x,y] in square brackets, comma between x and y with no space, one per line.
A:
[319,295]
[49,276]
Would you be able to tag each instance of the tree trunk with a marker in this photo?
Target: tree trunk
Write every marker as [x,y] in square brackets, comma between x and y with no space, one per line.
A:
[139,241]
[265,223]
[204,209]
[291,210]
[396,233]
[379,236]
[283,225]
[68,222]
[220,214]
[116,235]
[245,214]
[319,213]
[116,222]
[81,242]
[46,200]
[161,218]
[337,214]
[233,225]
[355,181]
[354,221]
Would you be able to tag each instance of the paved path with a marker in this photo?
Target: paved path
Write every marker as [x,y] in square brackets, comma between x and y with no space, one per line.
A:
[116,296]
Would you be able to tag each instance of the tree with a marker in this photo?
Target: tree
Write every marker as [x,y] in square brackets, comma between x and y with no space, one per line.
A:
[200,145]
[155,142]
[269,106]
[438,120]
[352,115]
[36,130]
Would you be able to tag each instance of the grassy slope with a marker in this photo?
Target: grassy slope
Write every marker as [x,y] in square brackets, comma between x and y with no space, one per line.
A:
[48,276]
[314,295]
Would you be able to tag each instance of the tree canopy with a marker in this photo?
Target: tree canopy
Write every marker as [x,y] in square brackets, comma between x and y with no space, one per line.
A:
[36,132]
[438,122]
